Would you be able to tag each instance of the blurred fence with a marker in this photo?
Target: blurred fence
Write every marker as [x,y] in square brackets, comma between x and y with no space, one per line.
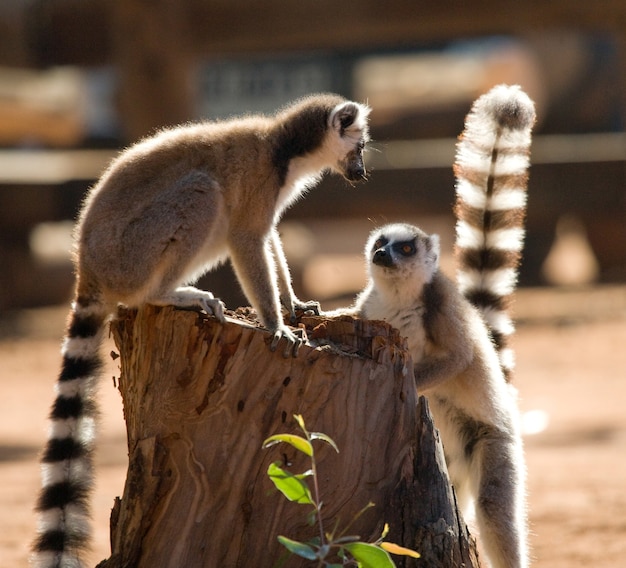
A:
[578,176]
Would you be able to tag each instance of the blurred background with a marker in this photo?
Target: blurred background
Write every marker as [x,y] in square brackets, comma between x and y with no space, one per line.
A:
[81,79]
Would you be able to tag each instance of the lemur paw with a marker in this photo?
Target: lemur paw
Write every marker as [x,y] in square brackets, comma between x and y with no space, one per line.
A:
[215,307]
[294,340]
[310,308]
[188,297]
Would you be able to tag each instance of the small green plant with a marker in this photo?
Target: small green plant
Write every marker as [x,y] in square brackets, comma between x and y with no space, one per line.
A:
[332,549]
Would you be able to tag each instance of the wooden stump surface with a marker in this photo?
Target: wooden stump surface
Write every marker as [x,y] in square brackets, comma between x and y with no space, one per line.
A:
[199,399]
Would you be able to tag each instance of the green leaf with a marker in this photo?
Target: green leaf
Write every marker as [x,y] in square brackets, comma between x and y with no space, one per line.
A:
[305,474]
[297,442]
[290,485]
[369,556]
[299,548]
[325,438]
[347,539]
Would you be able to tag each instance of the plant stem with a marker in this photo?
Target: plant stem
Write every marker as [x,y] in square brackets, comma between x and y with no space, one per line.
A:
[318,504]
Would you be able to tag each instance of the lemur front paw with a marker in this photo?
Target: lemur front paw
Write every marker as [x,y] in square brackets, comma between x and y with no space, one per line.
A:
[294,340]
[214,306]
[203,300]
[310,308]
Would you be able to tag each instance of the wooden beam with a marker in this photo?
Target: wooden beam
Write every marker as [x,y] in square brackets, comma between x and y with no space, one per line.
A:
[81,31]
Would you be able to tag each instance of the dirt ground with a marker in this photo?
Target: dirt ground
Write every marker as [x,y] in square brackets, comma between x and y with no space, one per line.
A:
[571,374]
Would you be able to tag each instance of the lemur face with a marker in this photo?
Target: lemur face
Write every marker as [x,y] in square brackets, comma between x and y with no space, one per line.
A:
[401,251]
[389,254]
[349,122]
[352,166]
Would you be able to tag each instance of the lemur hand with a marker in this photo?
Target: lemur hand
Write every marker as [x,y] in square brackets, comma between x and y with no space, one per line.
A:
[294,340]
[309,308]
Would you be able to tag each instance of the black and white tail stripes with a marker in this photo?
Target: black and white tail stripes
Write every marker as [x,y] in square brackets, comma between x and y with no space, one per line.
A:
[63,530]
[491,170]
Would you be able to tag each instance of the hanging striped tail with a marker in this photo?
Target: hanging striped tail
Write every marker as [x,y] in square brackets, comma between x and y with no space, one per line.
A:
[491,170]
[67,472]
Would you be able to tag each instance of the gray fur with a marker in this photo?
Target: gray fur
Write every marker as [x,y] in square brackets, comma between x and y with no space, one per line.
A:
[457,368]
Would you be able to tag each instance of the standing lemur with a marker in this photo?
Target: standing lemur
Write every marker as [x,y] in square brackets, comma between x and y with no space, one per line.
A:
[167,210]
[451,329]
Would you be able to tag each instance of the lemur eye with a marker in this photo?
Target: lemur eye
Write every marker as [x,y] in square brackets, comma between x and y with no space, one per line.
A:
[380,243]
[406,249]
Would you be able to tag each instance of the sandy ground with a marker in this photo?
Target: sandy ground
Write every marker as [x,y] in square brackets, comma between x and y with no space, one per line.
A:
[571,352]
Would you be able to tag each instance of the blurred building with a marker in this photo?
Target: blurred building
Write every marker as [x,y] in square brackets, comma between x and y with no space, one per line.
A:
[63,117]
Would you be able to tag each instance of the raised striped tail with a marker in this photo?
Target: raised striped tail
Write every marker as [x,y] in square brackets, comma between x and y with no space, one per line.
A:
[491,170]
[67,472]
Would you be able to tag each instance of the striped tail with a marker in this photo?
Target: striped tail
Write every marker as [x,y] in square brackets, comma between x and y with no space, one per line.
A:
[67,472]
[491,170]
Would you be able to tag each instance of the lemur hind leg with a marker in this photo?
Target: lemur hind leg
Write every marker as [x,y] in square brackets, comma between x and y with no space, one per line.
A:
[180,251]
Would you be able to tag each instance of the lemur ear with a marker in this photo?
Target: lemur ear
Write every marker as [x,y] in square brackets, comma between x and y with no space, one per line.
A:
[343,116]
[433,248]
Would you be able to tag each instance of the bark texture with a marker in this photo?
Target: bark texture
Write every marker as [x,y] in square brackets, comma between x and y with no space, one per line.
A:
[199,399]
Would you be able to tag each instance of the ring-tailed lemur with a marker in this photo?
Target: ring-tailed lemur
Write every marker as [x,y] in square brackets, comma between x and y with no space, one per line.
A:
[167,210]
[456,361]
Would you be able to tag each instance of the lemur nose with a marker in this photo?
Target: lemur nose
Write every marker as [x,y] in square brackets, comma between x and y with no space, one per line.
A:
[356,173]
[382,258]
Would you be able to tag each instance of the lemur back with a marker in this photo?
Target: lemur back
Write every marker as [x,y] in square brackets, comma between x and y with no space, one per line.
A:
[168,209]
[491,170]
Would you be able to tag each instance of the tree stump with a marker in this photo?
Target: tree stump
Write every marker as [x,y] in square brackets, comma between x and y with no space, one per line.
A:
[199,399]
